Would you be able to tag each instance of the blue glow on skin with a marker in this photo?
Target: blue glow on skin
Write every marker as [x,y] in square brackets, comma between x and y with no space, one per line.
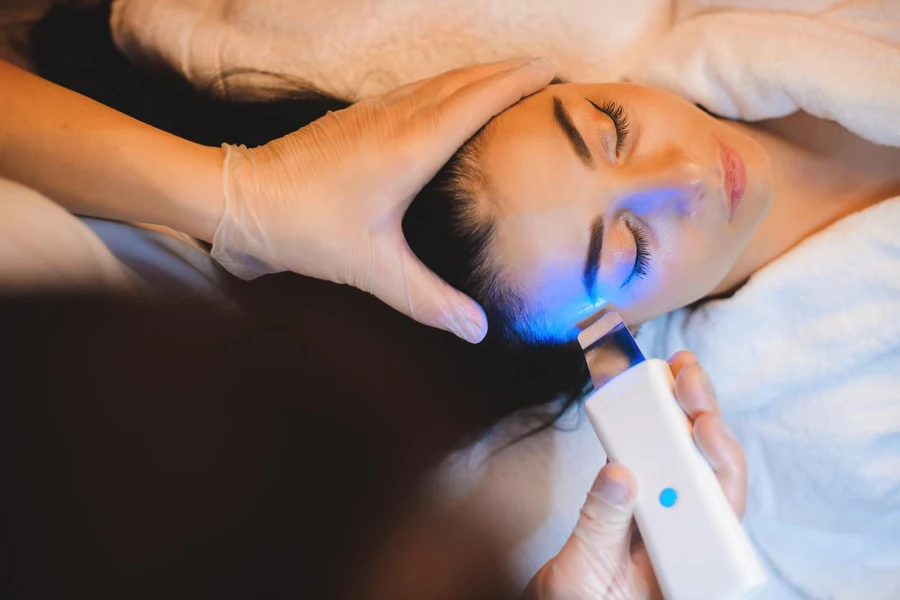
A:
[543,328]
[551,264]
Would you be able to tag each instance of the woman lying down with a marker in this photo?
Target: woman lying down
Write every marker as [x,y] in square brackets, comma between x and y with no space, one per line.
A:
[770,249]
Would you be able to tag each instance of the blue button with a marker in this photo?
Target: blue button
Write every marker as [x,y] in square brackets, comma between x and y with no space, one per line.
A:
[668,497]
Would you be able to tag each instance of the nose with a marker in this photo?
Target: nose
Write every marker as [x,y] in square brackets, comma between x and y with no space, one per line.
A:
[670,179]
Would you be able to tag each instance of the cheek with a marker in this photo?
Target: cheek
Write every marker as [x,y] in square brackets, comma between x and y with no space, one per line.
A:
[695,262]
[687,265]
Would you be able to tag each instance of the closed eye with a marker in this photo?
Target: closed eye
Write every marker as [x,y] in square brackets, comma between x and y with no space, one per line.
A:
[616,113]
[642,255]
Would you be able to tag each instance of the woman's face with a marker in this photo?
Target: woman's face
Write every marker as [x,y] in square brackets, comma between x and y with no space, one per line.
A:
[617,194]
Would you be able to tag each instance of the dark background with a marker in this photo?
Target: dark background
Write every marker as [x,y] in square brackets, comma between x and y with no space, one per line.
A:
[155,450]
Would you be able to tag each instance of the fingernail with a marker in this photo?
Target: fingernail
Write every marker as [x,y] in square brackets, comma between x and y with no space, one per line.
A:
[464,327]
[472,332]
[452,324]
[692,360]
[612,491]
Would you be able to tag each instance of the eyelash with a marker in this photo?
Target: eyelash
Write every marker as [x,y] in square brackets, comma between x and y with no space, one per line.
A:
[615,112]
[642,253]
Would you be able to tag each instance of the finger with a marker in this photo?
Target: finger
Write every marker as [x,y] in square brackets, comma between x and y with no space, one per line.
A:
[605,522]
[726,457]
[407,285]
[680,360]
[467,110]
[595,559]
[694,391]
[437,88]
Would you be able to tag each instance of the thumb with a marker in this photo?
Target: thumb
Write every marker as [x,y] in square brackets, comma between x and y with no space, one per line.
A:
[604,529]
[595,562]
[417,292]
[608,510]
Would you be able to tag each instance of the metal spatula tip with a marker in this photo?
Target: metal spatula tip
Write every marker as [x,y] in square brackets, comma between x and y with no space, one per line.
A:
[609,349]
[603,326]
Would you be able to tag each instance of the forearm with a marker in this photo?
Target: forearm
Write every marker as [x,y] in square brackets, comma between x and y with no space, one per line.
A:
[96,161]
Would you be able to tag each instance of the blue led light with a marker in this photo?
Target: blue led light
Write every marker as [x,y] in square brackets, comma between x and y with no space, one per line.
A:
[543,327]
[668,497]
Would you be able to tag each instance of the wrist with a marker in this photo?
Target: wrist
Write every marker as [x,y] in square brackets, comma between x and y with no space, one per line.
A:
[198,201]
[241,240]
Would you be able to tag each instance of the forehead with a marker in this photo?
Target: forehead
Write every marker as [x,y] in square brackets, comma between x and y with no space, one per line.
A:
[526,157]
[543,257]
[541,211]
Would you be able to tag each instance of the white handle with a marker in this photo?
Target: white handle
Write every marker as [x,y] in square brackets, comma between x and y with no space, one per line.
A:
[698,548]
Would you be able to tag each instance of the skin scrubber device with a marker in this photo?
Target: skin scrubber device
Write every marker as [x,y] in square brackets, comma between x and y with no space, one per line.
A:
[698,548]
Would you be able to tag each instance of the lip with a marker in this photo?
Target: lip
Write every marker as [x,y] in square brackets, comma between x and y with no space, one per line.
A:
[735,177]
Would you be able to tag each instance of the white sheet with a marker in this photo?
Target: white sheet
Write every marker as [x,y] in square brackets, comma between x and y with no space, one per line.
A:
[45,248]
[806,361]
[356,48]
[761,59]
[747,59]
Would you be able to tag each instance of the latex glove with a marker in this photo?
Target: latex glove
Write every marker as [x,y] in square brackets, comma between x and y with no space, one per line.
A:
[604,558]
[328,200]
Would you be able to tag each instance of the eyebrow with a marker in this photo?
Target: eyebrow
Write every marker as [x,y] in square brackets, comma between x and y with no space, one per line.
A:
[561,115]
[592,260]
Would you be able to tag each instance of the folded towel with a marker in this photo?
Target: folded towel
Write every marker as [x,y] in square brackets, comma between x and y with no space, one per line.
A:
[806,362]
[749,60]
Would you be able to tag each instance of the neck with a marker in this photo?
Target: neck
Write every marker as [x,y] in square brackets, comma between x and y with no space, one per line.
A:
[822,173]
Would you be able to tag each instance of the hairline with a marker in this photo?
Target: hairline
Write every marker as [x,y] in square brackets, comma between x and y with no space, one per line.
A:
[500,297]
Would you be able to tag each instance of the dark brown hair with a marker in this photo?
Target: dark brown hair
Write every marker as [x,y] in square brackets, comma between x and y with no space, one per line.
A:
[73,47]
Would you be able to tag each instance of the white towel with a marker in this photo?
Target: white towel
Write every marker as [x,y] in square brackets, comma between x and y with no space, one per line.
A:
[806,361]
[761,59]
[357,48]
[744,59]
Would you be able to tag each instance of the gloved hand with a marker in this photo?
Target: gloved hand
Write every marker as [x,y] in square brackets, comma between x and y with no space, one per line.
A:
[328,200]
[603,559]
